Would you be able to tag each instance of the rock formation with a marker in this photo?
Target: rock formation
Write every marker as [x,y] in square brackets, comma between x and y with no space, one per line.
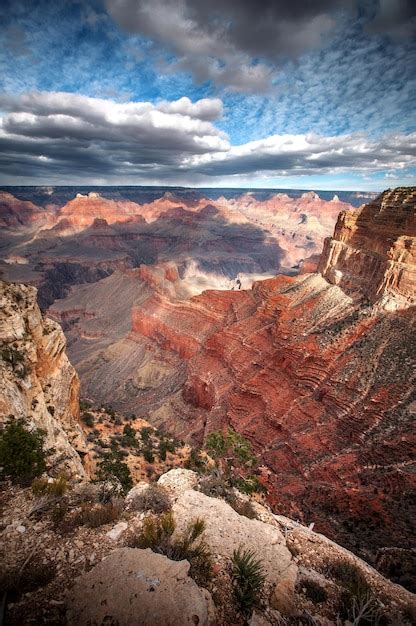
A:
[315,375]
[37,380]
[148,589]
[373,250]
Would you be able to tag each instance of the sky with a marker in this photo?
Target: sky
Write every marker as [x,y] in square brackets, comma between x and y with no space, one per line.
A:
[225,93]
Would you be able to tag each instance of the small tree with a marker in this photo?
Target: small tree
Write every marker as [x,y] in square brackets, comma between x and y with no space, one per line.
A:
[22,455]
[112,466]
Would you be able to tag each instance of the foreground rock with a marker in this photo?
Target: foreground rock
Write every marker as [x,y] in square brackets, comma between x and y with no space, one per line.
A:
[37,380]
[133,587]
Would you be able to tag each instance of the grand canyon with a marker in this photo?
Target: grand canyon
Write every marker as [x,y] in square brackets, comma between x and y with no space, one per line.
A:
[207,313]
[199,314]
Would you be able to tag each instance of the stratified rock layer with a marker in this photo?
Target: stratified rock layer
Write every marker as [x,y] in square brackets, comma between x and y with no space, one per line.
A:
[374,250]
[37,380]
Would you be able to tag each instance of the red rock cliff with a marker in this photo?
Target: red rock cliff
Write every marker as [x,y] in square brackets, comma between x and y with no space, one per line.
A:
[374,250]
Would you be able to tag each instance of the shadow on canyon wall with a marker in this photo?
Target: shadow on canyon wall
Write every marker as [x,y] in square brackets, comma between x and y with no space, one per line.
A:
[179,235]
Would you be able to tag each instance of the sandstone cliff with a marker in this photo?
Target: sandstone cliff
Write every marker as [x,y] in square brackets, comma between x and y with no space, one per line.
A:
[37,380]
[319,379]
[374,250]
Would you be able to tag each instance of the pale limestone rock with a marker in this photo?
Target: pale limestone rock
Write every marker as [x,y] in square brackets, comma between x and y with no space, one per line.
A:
[226,530]
[177,481]
[133,587]
[138,490]
[283,597]
[116,532]
[42,386]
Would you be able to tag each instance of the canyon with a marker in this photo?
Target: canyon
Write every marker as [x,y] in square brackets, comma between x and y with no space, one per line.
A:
[201,315]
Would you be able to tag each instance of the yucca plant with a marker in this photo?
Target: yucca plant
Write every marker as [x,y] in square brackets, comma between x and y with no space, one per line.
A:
[248,576]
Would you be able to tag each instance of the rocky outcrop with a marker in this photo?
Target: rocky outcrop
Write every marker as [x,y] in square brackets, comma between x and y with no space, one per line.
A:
[373,250]
[37,380]
[15,212]
[139,587]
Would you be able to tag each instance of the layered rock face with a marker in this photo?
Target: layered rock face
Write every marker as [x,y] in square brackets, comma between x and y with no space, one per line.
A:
[37,380]
[315,375]
[15,212]
[374,250]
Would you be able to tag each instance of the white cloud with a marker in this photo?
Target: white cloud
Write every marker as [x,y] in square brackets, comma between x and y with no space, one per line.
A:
[63,135]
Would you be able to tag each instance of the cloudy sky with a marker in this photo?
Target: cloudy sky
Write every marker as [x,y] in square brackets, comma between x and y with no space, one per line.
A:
[238,93]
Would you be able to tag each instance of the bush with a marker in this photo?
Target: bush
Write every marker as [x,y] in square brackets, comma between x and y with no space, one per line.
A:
[358,603]
[154,499]
[249,578]
[166,446]
[249,485]
[129,437]
[314,591]
[95,515]
[112,466]
[57,487]
[22,455]
[148,455]
[88,419]
[157,534]
[145,433]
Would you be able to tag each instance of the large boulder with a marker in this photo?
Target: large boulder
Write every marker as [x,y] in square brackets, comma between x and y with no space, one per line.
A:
[177,481]
[226,531]
[133,587]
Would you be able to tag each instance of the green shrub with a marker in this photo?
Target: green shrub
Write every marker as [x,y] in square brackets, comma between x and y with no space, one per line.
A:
[248,577]
[145,433]
[22,454]
[195,461]
[154,498]
[165,446]
[88,419]
[231,445]
[248,485]
[129,437]
[111,466]
[157,534]
[148,455]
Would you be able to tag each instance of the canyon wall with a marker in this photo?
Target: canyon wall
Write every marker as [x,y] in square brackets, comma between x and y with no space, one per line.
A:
[37,380]
[374,250]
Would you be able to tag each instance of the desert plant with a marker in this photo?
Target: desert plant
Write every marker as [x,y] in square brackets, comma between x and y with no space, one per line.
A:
[88,419]
[154,498]
[129,437]
[157,534]
[22,454]
[145,433]
[165,446]
[357,604]
[248,577]
[95,515]
[111,466]
[57,487]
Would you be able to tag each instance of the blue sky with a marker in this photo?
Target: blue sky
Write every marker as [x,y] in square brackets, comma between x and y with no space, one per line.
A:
[302,98]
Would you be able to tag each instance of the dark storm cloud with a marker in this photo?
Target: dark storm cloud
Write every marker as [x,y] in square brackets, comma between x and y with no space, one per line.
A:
[237,42]
[67,135]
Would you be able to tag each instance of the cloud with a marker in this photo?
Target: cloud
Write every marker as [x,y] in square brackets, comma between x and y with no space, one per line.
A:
[238,43]
[223,41]
[61,137]
[312,154]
